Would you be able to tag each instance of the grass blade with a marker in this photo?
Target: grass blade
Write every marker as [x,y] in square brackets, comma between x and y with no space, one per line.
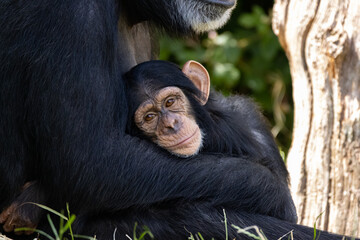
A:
[70,217]
[146,232]
[35,230]
[83,237]
[200,236]
[50,210]
[226,227]
[53,227]
[68,226]
[314,238]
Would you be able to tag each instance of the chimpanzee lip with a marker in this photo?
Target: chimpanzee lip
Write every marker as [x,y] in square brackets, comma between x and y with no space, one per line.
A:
[184,140]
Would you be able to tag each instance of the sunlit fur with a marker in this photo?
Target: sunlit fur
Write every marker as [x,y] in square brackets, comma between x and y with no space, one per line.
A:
[202,16]
[181,16]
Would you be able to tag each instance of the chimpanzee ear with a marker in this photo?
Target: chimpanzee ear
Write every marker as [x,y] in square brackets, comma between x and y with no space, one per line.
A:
[198,74]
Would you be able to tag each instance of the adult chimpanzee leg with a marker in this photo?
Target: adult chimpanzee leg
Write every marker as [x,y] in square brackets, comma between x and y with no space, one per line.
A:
[63,111]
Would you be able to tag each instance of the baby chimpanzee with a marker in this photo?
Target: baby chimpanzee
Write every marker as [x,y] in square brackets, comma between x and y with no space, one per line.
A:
[175,109]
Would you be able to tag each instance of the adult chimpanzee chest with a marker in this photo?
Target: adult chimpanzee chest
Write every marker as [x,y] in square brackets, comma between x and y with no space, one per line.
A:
[136,44]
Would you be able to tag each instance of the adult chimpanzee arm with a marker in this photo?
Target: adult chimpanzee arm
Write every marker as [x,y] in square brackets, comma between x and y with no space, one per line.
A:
[138,174]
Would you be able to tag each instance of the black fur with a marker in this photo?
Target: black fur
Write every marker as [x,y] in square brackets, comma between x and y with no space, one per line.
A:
[62,124]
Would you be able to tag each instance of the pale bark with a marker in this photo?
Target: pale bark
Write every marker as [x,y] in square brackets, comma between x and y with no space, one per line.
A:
[322,41]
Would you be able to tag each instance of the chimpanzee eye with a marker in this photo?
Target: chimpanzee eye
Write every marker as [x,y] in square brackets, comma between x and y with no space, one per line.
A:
[169,102]
[148,117]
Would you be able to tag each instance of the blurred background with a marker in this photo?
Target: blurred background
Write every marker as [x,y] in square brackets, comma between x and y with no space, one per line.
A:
[244,57]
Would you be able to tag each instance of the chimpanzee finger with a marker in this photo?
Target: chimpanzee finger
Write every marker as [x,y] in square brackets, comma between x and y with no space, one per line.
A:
[4,216]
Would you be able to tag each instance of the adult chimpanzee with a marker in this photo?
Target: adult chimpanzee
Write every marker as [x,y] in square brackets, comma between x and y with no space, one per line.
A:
[63,114]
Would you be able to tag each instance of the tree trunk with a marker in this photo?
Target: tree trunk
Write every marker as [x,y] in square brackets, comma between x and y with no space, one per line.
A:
[322,41]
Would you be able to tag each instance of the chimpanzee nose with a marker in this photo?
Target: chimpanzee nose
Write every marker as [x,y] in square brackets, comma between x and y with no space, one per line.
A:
[170,123]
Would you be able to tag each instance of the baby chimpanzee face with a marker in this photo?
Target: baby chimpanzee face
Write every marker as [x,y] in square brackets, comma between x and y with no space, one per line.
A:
[167,120]
[166,115]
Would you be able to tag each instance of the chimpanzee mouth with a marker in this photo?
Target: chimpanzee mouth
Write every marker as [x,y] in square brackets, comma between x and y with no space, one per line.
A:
[184,141]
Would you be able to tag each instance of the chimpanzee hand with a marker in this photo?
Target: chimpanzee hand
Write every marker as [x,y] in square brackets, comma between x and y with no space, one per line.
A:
[13,217]
[22,213]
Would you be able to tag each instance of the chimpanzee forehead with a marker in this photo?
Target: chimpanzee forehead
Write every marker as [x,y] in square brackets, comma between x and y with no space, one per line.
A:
[157,97]
[167,91]
[156,75]
[146,79]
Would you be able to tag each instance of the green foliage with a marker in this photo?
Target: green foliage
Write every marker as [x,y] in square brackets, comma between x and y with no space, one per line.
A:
[244,58]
